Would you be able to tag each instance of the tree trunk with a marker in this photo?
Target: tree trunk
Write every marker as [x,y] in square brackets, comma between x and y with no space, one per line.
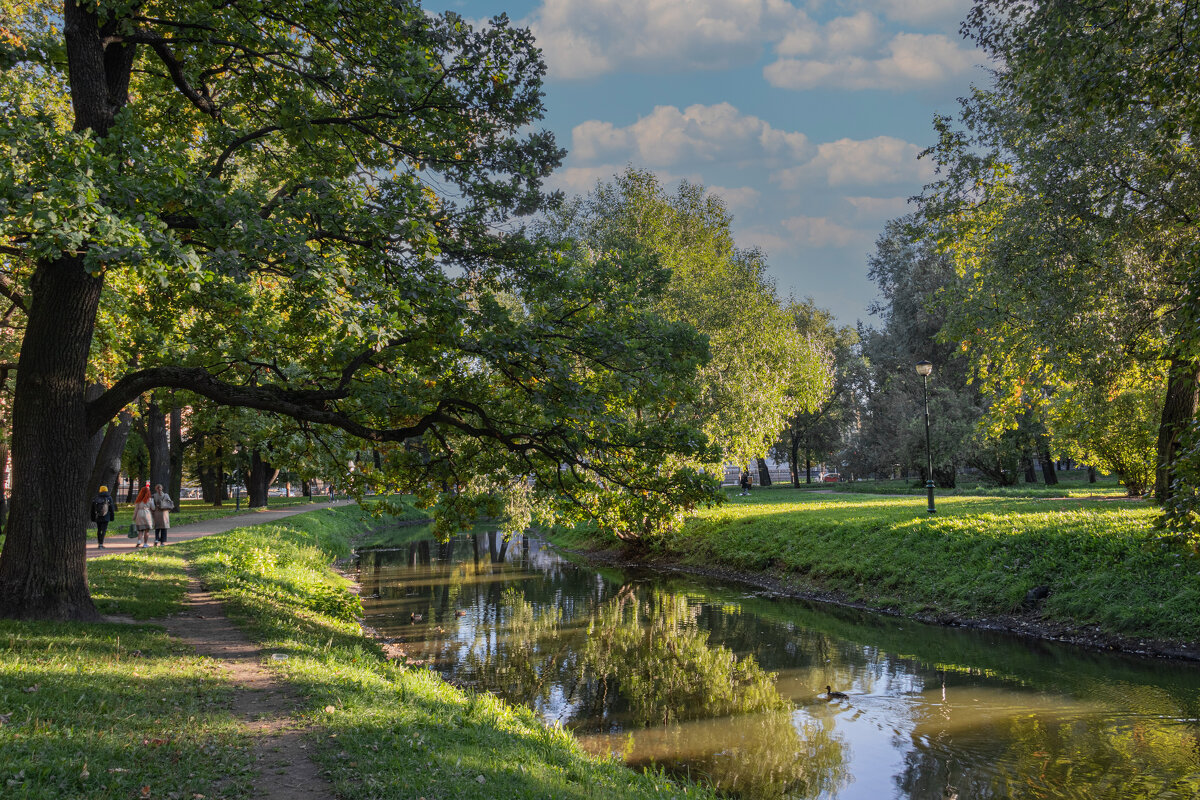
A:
[175,442]
[95,441]
[159,444]
[1179,409]
[3,484]
[1091,474]
[1030,472]
[764,475]
[262,475]
[794,457]
[107,468]
[1048,474]
[42,569]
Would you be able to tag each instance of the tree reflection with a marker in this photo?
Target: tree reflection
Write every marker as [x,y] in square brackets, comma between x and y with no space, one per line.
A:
[640,662]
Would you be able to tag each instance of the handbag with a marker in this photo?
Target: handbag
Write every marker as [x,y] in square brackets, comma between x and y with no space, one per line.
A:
[132,531]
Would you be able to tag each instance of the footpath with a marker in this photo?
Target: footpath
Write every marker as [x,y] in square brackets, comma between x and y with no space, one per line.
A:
[264,706]
[117,541]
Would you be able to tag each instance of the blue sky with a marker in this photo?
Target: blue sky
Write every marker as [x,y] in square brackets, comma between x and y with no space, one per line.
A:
[805,116]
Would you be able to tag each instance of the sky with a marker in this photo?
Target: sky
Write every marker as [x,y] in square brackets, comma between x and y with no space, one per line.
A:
[805,116]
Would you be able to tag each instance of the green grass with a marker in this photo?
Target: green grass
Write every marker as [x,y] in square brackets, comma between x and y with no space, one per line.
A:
[116,711]
[977,556]
[385,730]
[1072,483]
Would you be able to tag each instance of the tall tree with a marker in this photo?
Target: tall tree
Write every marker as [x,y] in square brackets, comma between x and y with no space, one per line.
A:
[1074,185]
[310,203]
[762,368]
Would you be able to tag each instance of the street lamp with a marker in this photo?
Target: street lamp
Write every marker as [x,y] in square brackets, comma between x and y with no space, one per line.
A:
[925,369]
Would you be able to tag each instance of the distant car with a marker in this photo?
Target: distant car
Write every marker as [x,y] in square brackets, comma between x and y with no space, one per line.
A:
[831,477]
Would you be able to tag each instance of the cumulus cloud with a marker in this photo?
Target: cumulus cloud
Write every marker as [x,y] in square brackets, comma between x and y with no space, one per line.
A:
[698,134]
[854,162]
[905,61]
[585,38]
[877,208]
[819,232]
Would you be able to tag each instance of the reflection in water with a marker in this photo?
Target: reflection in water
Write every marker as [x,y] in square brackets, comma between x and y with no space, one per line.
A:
[713,682]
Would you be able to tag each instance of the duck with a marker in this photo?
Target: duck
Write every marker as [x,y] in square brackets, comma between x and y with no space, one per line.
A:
[832,695]
[415,617]
[460,613]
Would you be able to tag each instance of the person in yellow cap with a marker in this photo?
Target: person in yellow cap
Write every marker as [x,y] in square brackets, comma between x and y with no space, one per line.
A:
[103,512]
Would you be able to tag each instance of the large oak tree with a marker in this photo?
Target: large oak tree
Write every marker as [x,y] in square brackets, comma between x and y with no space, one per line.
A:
[311,205]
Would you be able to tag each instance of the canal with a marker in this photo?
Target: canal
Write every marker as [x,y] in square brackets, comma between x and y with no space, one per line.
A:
[727,685]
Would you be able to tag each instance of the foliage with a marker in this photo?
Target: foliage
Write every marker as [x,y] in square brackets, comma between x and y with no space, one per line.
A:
[762,368]
[1068,201]
[1113,429]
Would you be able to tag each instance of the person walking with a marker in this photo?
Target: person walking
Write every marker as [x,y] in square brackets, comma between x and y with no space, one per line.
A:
[745,482]
[160,513]
[103,512]
[142,520]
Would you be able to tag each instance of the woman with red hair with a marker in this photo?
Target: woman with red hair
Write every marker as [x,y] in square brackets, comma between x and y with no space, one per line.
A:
[142,520]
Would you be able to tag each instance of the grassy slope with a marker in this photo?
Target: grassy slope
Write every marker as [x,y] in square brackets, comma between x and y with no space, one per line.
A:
[112,710]
[119,711]
[977,556]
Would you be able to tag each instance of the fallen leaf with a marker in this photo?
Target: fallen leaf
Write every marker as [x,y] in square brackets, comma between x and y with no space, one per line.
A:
[31,689]
[84,774]
[145,791]
[329,709]
[480,779]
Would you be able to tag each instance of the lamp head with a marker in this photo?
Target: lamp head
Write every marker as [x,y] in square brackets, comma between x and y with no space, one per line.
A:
[924,368]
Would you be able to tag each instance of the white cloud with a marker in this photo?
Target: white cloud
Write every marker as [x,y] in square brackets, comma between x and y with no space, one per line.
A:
[879,208]
[696,135]
[819,232]
[852,162]
[740,197]
[906,61]
[585,38]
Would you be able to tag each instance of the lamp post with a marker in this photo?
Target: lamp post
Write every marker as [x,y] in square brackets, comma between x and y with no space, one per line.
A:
[925,369]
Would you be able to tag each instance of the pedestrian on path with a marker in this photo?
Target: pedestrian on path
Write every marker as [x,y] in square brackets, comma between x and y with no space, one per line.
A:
[142,520]
[102,514]
[745,482]
[160,512]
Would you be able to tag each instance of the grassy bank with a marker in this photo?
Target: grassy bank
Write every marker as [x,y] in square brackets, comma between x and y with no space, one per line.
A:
[120,711]
[976,557]
[115,710]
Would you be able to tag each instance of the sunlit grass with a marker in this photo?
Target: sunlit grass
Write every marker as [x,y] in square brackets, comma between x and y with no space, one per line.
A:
[1101,561]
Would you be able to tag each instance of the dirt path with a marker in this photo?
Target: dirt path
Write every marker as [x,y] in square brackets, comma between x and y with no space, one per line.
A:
[118,542]
[285,771]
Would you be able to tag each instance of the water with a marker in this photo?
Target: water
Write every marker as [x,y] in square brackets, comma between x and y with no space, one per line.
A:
[726,685]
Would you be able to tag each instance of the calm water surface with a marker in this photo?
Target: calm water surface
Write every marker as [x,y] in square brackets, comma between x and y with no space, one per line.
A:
[726,685]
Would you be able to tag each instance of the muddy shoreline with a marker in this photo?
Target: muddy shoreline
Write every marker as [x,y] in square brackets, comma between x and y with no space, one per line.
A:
[1029,625]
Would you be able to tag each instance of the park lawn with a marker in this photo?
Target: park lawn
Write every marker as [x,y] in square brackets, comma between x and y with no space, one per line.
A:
[115,710]
[976,557]
[383,729]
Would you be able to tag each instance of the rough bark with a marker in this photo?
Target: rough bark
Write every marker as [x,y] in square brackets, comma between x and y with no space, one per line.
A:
[3,485]
[175,443]
[1179,409]
[764,474]
[95,441]
[1091,474]
[42,569]
[794,460]
[159,444]
[262,475]
[107,468]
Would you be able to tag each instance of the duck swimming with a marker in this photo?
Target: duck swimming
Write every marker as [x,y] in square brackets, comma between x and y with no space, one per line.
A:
[832,695]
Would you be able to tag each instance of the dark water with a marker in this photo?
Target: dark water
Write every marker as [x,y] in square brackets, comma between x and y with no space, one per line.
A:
[725,685]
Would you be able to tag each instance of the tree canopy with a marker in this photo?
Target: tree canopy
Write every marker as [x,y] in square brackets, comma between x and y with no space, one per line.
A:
[307,209]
